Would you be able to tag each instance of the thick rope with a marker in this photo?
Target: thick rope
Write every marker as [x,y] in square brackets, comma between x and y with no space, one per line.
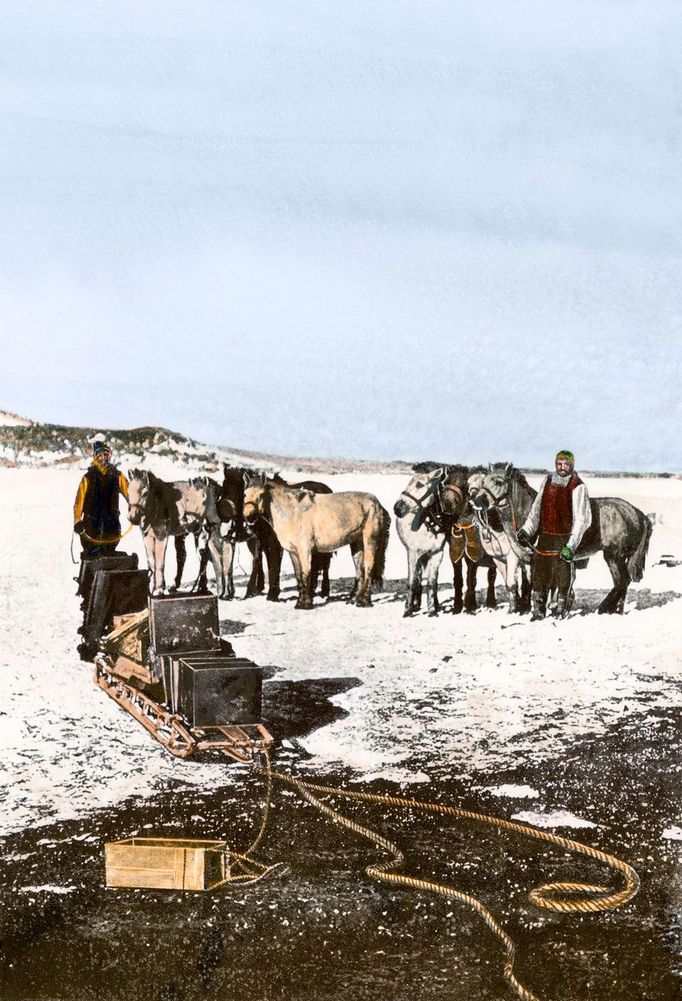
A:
[107,542]
[550,896]
[253,871]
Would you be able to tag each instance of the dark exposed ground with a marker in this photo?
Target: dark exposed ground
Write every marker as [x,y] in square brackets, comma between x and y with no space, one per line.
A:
[321,929]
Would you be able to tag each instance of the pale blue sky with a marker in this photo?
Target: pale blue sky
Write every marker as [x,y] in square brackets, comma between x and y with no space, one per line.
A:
[376,229]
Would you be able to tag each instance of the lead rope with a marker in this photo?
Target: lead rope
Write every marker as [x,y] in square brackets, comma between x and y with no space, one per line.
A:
[252,870]
[550,896]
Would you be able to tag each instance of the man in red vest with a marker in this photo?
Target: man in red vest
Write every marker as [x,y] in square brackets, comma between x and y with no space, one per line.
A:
[559,517]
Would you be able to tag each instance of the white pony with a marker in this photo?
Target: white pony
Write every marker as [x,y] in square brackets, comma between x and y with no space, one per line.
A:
[421,531]
[510,559]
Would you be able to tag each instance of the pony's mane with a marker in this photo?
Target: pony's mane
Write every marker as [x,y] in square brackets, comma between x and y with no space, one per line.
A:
[429,466]
[514,474]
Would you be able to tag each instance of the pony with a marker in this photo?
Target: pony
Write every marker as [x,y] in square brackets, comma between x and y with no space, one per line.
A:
[421,531]
[464,541]
[512,564]
[260,536]
[179,509]
[431,512]
[305,522]
[619,530]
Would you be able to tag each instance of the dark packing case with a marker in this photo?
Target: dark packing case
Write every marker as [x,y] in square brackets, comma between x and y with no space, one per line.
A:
[180,624]
[89,567]
[113,592]
[218,691]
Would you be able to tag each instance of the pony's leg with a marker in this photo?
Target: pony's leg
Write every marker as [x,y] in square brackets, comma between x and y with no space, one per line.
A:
[159,546]
[524,602]
[470,604]
[356,552]
[227,564]
[432,568]
[215,549]
[457,582]
[371,540]
[256,556]
[181,559]
[412,577]
[201,586]
[150,550]
[325,562]
[614,602]
[512,583]
[315,568]
[491,600]
[302,565]
[273,555]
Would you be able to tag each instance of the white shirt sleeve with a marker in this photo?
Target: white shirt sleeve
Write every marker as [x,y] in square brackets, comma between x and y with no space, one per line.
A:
[532,522]
[582,516]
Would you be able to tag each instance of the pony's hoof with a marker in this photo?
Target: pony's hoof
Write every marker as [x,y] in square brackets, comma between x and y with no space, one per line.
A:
[303,605]
[408,613]
[457,609]
[273,596]
[433,614]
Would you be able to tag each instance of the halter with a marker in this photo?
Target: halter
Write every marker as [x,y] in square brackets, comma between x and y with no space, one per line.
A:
[433,514]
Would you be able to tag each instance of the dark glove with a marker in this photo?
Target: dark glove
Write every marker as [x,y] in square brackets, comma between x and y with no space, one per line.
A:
[566,554]
[522,538]
[79,527]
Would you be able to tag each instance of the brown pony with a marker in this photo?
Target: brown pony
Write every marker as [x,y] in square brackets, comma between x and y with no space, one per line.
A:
[464,541]
[306,523]
[260,536]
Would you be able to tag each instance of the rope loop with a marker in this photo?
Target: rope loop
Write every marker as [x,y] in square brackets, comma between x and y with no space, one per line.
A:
[564,898]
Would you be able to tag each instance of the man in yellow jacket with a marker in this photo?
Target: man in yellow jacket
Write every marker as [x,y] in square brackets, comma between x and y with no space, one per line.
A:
[95,511]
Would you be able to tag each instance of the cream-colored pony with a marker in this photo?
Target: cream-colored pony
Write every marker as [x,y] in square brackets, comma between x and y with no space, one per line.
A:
[307,523]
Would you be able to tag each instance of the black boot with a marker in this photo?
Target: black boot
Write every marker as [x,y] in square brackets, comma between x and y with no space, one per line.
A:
[538,601]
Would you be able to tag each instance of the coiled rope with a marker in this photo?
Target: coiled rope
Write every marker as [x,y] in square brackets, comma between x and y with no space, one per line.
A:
[557,897]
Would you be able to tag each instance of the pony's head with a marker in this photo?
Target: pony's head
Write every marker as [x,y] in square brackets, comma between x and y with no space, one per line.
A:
[490,490]
[420,493]
[453,491]
[254,498]
[139,490]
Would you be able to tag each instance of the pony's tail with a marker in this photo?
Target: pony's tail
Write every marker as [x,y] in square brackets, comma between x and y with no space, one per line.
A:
[380,561]
[636,561]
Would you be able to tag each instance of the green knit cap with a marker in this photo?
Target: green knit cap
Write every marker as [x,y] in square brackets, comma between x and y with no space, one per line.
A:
[566,455]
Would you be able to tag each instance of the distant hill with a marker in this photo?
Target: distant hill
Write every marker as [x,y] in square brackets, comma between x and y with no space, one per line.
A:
[28,443]
[25,443]
[13,420]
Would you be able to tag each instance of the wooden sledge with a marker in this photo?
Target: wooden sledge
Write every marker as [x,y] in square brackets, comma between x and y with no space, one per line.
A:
[189,699]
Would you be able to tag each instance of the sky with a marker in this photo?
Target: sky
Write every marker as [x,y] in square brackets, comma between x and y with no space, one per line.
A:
[376,229]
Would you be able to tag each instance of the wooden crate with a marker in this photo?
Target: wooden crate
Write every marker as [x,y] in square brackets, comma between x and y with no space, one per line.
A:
[166,863]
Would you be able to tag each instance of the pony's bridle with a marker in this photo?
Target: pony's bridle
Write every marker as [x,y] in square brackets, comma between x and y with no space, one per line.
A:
[433,515]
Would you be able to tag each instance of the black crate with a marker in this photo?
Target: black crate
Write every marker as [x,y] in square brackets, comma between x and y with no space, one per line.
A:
[113,592]
[219,691]
[181,624]
[89,567]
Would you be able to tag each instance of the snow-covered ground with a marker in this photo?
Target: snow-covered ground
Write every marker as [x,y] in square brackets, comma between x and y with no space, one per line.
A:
[487,691]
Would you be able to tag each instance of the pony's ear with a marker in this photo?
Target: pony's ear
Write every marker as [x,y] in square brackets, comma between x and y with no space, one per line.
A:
[490,467]
[509,469]
[439,474]
[146,477]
